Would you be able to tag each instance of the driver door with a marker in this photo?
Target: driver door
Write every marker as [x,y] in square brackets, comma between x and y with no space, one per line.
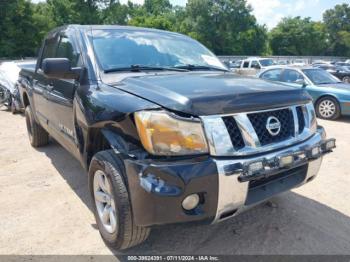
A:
[61,95]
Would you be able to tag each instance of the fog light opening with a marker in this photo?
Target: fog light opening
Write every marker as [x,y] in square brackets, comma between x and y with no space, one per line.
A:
[190,202]
[286,161]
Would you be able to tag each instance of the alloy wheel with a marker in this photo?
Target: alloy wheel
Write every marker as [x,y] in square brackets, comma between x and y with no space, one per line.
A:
[104,201]
[327,108]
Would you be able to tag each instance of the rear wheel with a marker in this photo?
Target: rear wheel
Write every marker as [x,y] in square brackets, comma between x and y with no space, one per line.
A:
[111,202]
[37,135]
[328,108]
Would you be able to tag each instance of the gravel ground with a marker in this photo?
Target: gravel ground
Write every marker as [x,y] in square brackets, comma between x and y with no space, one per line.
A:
[45,208]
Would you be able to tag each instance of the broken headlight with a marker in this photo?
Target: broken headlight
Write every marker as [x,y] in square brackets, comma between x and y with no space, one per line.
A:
[163,133]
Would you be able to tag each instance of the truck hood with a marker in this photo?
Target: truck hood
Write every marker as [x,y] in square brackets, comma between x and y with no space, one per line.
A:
[211,93]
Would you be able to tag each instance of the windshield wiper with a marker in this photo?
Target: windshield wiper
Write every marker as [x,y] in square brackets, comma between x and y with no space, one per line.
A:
[200,67]
[139,68]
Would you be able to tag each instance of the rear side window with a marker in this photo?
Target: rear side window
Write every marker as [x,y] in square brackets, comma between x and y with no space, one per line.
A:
[273,75]
[246,64]
[65,49]
[291,76]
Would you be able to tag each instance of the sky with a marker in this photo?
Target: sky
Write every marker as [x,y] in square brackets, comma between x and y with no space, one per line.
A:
[270,12]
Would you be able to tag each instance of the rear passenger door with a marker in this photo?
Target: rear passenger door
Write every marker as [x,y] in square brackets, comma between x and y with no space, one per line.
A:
[61,96]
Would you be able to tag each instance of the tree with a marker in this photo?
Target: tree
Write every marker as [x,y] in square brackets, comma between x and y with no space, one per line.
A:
[223,26]
[337,22]
[297,36]
[17,29]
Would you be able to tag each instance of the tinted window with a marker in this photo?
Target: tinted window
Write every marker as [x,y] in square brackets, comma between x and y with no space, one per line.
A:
[246,64]
[320,76]
[291,76]
[49,49]
[266,62]
[255,64]
[66,50]
[273,74]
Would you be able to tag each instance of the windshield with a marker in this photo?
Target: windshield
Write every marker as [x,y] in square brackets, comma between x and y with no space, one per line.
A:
[126,48]
[320,76]
[266,62]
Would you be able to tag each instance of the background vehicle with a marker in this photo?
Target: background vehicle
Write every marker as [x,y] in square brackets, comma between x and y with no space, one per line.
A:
[300,62]
[341,72]
[9,73]
[138,109]
[331,97]
[251,66]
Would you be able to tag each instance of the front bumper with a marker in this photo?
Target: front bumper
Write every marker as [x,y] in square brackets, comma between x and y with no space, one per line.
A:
[158,187]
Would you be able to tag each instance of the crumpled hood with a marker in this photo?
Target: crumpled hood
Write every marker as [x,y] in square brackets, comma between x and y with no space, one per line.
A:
[210,93]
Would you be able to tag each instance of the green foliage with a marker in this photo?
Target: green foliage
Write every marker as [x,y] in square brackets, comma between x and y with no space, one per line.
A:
[227,27]
[337,22]
[297,36]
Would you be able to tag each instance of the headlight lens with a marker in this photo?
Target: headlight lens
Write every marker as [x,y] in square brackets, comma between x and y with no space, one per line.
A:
[163,134]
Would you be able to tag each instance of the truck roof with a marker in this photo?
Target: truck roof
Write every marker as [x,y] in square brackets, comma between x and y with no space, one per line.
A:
[109,27]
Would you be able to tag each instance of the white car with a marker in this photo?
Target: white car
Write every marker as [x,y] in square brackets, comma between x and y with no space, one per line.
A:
[9,72]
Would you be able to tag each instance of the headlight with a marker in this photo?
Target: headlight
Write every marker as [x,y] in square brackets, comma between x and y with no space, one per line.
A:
[164,134]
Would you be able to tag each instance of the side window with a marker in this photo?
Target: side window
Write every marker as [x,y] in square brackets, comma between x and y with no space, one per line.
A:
[245,64]
[273,75]
[49,49]
[65,49]
[291,76]
[255,64]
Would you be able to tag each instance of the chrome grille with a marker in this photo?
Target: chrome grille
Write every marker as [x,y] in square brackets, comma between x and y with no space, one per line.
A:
[285,116]
[246,133]
[234,132]
[301,119]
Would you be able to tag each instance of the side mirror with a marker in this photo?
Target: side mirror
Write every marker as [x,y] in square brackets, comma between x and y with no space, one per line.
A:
[257,67]
[60,68]
[301,82]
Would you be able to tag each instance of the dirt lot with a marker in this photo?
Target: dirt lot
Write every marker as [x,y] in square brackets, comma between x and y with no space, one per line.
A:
[45,208]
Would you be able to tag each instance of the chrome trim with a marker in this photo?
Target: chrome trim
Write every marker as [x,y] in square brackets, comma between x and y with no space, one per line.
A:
[252,143]
[296,120]
[217,135]
[247,130]
[232,194]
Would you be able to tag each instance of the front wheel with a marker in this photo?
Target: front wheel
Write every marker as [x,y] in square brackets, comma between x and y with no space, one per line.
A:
[328,108]
[111,202]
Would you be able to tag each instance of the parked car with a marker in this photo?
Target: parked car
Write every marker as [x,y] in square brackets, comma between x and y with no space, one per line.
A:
[9,95]
[343,64]
[340,72]
[300,62]
[166,132]
[252,65]
[331,96]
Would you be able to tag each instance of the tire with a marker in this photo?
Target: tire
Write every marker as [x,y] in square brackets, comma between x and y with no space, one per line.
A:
[13,107]
[328,108]
[126,234]
[346,79]
[38,136]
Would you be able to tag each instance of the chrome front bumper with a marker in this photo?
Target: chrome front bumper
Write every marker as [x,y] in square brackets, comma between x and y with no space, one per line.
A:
[233,192]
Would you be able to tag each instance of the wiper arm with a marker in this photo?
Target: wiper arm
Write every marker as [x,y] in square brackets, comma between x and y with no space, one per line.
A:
[200,67]
[139,68]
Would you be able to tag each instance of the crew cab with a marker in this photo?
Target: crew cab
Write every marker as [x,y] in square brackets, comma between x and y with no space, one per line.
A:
[252,65]
[166,133]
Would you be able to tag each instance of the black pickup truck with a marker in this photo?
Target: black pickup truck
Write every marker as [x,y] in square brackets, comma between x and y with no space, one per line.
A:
[166,132]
